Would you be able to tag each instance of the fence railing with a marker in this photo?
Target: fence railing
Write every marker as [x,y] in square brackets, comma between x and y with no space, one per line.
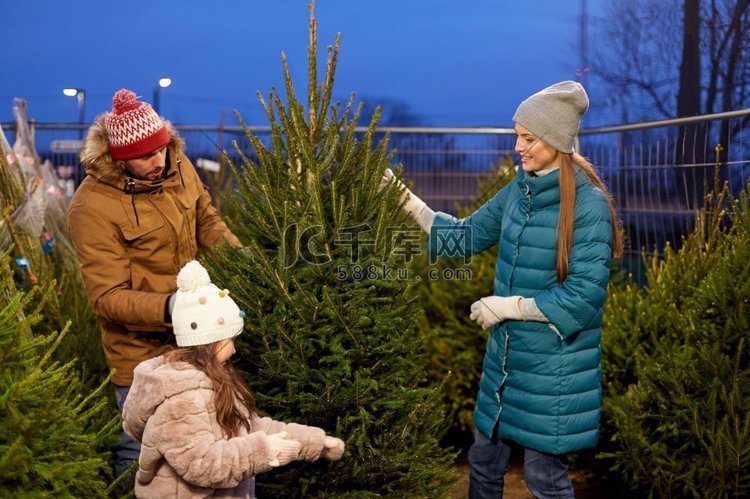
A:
[656,171]
[659,171]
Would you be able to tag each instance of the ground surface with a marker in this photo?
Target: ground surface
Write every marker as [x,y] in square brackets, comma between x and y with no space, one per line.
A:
[515,487]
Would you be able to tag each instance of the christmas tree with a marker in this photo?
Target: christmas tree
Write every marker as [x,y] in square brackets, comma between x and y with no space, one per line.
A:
[52,441]
[676,363]
[33,211]
[331,335]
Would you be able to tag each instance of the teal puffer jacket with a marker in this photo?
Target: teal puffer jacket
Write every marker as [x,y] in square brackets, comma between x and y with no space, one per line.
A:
[540,383]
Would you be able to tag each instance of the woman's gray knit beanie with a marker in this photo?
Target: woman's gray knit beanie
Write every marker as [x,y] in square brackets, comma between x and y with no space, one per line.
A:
[554,114]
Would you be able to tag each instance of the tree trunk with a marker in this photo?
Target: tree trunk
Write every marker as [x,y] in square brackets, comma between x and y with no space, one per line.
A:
[691,151]
[731,83]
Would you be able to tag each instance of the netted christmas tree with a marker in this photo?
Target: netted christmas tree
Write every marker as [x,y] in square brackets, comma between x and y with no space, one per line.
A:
[52,442]
[676,363]
[331,336]
[33,211]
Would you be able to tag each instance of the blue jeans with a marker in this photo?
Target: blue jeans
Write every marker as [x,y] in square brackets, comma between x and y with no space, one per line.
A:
[546,475]
[129,449]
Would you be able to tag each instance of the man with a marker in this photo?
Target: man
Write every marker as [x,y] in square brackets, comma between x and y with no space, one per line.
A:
[138,217]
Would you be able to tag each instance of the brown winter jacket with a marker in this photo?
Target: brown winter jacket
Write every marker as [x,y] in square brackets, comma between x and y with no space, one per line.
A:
[132,237]
[184,452]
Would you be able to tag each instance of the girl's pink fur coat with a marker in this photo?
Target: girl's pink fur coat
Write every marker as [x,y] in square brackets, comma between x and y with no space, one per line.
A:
[184,452]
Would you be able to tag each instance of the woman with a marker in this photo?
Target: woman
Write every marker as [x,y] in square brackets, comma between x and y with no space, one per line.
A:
[557,231]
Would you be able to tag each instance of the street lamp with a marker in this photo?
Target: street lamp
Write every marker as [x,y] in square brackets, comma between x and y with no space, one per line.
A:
[163,83]
[81,95]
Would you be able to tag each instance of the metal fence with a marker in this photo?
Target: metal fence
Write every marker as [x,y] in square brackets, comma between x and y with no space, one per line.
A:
[659,171]
[656,170]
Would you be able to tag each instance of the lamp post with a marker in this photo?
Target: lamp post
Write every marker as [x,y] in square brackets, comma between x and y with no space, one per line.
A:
[80,94]
[163,83]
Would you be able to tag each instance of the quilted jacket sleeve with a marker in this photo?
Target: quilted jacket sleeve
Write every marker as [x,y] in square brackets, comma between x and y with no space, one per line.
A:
[311,437]
[452,237]
[181,430]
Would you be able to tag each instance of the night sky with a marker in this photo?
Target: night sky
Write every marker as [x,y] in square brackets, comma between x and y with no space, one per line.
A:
[447,63]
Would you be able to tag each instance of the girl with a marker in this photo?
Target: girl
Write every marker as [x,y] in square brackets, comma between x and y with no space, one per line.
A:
[195,417]
[557,230]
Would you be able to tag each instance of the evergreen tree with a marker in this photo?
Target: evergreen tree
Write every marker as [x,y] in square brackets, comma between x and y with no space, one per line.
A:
[33,220]
[52,443]
[676,363]
[331,307]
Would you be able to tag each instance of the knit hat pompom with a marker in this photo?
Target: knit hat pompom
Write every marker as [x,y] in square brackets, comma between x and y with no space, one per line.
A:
[134,129]
[192,275]
[123,100]
[203,313]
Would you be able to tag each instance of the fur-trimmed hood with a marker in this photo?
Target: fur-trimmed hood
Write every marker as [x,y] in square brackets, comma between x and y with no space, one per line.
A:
[99,163]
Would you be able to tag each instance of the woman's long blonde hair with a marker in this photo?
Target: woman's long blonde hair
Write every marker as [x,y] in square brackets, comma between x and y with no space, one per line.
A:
[566,219]
[231,393]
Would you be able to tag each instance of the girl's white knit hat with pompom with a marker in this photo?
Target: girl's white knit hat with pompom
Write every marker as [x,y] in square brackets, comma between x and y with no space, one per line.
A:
[202,312]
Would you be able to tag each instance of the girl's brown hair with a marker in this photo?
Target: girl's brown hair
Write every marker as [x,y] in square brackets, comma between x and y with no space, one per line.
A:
[566,219]
[230,391]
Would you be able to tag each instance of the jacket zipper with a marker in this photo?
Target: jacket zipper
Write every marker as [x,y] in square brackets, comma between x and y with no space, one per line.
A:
[501,387]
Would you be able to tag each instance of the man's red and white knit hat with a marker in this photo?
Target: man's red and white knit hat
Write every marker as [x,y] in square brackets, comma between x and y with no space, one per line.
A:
[133,127]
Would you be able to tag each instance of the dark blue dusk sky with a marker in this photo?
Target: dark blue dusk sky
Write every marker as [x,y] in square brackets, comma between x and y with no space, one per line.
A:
[453,63]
